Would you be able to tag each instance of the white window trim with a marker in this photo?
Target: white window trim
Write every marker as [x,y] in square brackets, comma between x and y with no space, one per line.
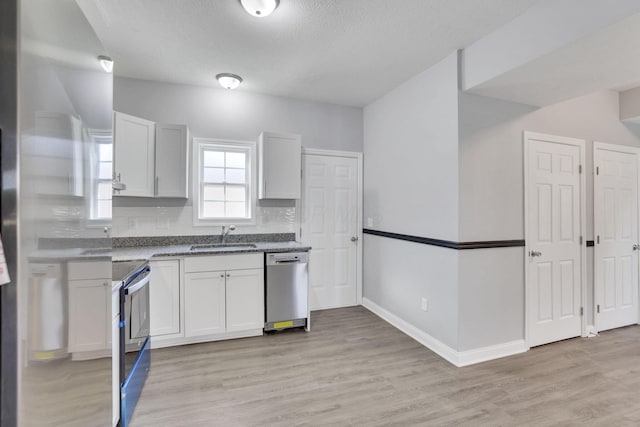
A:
[195,175]
[91,154]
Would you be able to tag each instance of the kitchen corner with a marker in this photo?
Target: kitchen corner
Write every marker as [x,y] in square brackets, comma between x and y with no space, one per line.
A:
[203,290]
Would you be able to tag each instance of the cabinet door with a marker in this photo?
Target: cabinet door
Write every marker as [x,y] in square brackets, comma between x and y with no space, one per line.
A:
[280,156]
[172,145]
[245,299]
[134,145]
[204,308]
[89,315]
[53,151]
[165,297]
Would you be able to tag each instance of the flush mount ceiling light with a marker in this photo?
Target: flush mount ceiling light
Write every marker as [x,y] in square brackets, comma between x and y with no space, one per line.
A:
[106,62]
[260,8]
[228,80]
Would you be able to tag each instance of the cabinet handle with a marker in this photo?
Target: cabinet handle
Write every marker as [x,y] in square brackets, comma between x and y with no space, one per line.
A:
[222,275]
[228,275]
[155,188]
[264,188]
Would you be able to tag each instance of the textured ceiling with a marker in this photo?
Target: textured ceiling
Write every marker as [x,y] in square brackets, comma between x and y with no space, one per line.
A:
[608,58]
[339,51]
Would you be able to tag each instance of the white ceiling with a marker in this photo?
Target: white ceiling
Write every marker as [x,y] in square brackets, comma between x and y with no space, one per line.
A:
[346,52]
[606,59]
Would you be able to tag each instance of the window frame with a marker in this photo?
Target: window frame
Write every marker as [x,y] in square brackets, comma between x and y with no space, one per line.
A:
[96,136]
[249,147]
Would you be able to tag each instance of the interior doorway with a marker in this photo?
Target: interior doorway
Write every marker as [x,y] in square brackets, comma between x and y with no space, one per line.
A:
[555,231]
[332,225]
[616,248]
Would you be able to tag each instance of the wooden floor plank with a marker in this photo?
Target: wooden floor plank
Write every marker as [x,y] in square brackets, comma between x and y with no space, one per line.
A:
[355,369]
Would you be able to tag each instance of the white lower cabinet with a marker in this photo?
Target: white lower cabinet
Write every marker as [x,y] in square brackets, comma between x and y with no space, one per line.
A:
[204,305]
[89,320]
[245,299]
[90,313]
[223,296]
[164,295]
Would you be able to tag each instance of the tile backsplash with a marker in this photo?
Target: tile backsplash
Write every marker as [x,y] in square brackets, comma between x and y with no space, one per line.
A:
[137,221]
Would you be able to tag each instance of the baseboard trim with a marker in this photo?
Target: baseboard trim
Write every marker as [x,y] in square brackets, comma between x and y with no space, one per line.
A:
[484,354]
[433,344]
[456,358]
[172,341]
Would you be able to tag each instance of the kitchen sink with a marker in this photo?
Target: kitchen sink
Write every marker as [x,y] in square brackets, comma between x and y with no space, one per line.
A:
[223,246]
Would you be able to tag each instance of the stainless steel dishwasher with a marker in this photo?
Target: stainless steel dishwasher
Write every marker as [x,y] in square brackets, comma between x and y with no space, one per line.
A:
[286,290]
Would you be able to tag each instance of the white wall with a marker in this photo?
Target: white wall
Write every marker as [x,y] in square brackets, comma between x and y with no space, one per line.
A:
[491,155]
[630,105]
[411,187]
[546,26]
[222,114]
[491,297]
[398,274]
[411,156]
[492,200]
[219,113]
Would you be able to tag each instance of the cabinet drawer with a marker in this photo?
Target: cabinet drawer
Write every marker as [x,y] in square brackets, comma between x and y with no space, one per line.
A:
[89,270]
[194,264]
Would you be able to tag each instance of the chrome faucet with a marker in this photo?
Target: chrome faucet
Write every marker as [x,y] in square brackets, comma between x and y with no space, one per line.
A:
[224,234]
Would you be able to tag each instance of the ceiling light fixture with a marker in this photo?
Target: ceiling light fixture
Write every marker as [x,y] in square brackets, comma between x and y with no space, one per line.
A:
[106,62]
[228,80]
[260,8]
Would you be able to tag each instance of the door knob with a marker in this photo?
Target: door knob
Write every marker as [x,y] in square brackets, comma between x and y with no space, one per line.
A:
[636,247]
[535,253]
[354,239]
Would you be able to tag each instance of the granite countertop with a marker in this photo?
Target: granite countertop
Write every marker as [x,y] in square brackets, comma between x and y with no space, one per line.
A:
[149,252]
[145,248]
[70,254]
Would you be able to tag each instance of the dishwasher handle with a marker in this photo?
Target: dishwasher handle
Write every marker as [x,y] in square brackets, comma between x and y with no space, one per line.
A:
[288,261]
[287,258]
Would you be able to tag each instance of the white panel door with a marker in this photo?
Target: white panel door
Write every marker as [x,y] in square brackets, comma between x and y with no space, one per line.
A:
[616,234]
[554,281]
[329,226]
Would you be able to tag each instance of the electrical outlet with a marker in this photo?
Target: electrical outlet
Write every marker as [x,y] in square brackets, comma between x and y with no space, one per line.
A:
[424,305]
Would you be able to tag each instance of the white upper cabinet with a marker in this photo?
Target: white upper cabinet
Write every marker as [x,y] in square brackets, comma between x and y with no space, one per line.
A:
[172,162]
[279,171]
[150,159]
[53,154]
[134,145]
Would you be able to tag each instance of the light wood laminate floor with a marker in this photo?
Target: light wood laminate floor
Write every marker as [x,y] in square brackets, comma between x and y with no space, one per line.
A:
[355,369]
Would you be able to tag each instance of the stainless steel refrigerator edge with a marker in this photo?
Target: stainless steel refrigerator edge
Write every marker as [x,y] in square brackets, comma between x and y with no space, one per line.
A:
[8,209]
[49,185]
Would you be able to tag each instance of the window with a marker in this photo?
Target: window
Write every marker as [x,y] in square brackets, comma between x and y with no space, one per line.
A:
[101,171]
[224,178]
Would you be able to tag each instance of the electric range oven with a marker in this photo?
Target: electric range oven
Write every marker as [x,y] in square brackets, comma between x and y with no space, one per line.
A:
[135,343]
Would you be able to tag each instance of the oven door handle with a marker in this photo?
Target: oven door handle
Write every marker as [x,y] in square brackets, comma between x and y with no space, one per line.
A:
[139,285]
